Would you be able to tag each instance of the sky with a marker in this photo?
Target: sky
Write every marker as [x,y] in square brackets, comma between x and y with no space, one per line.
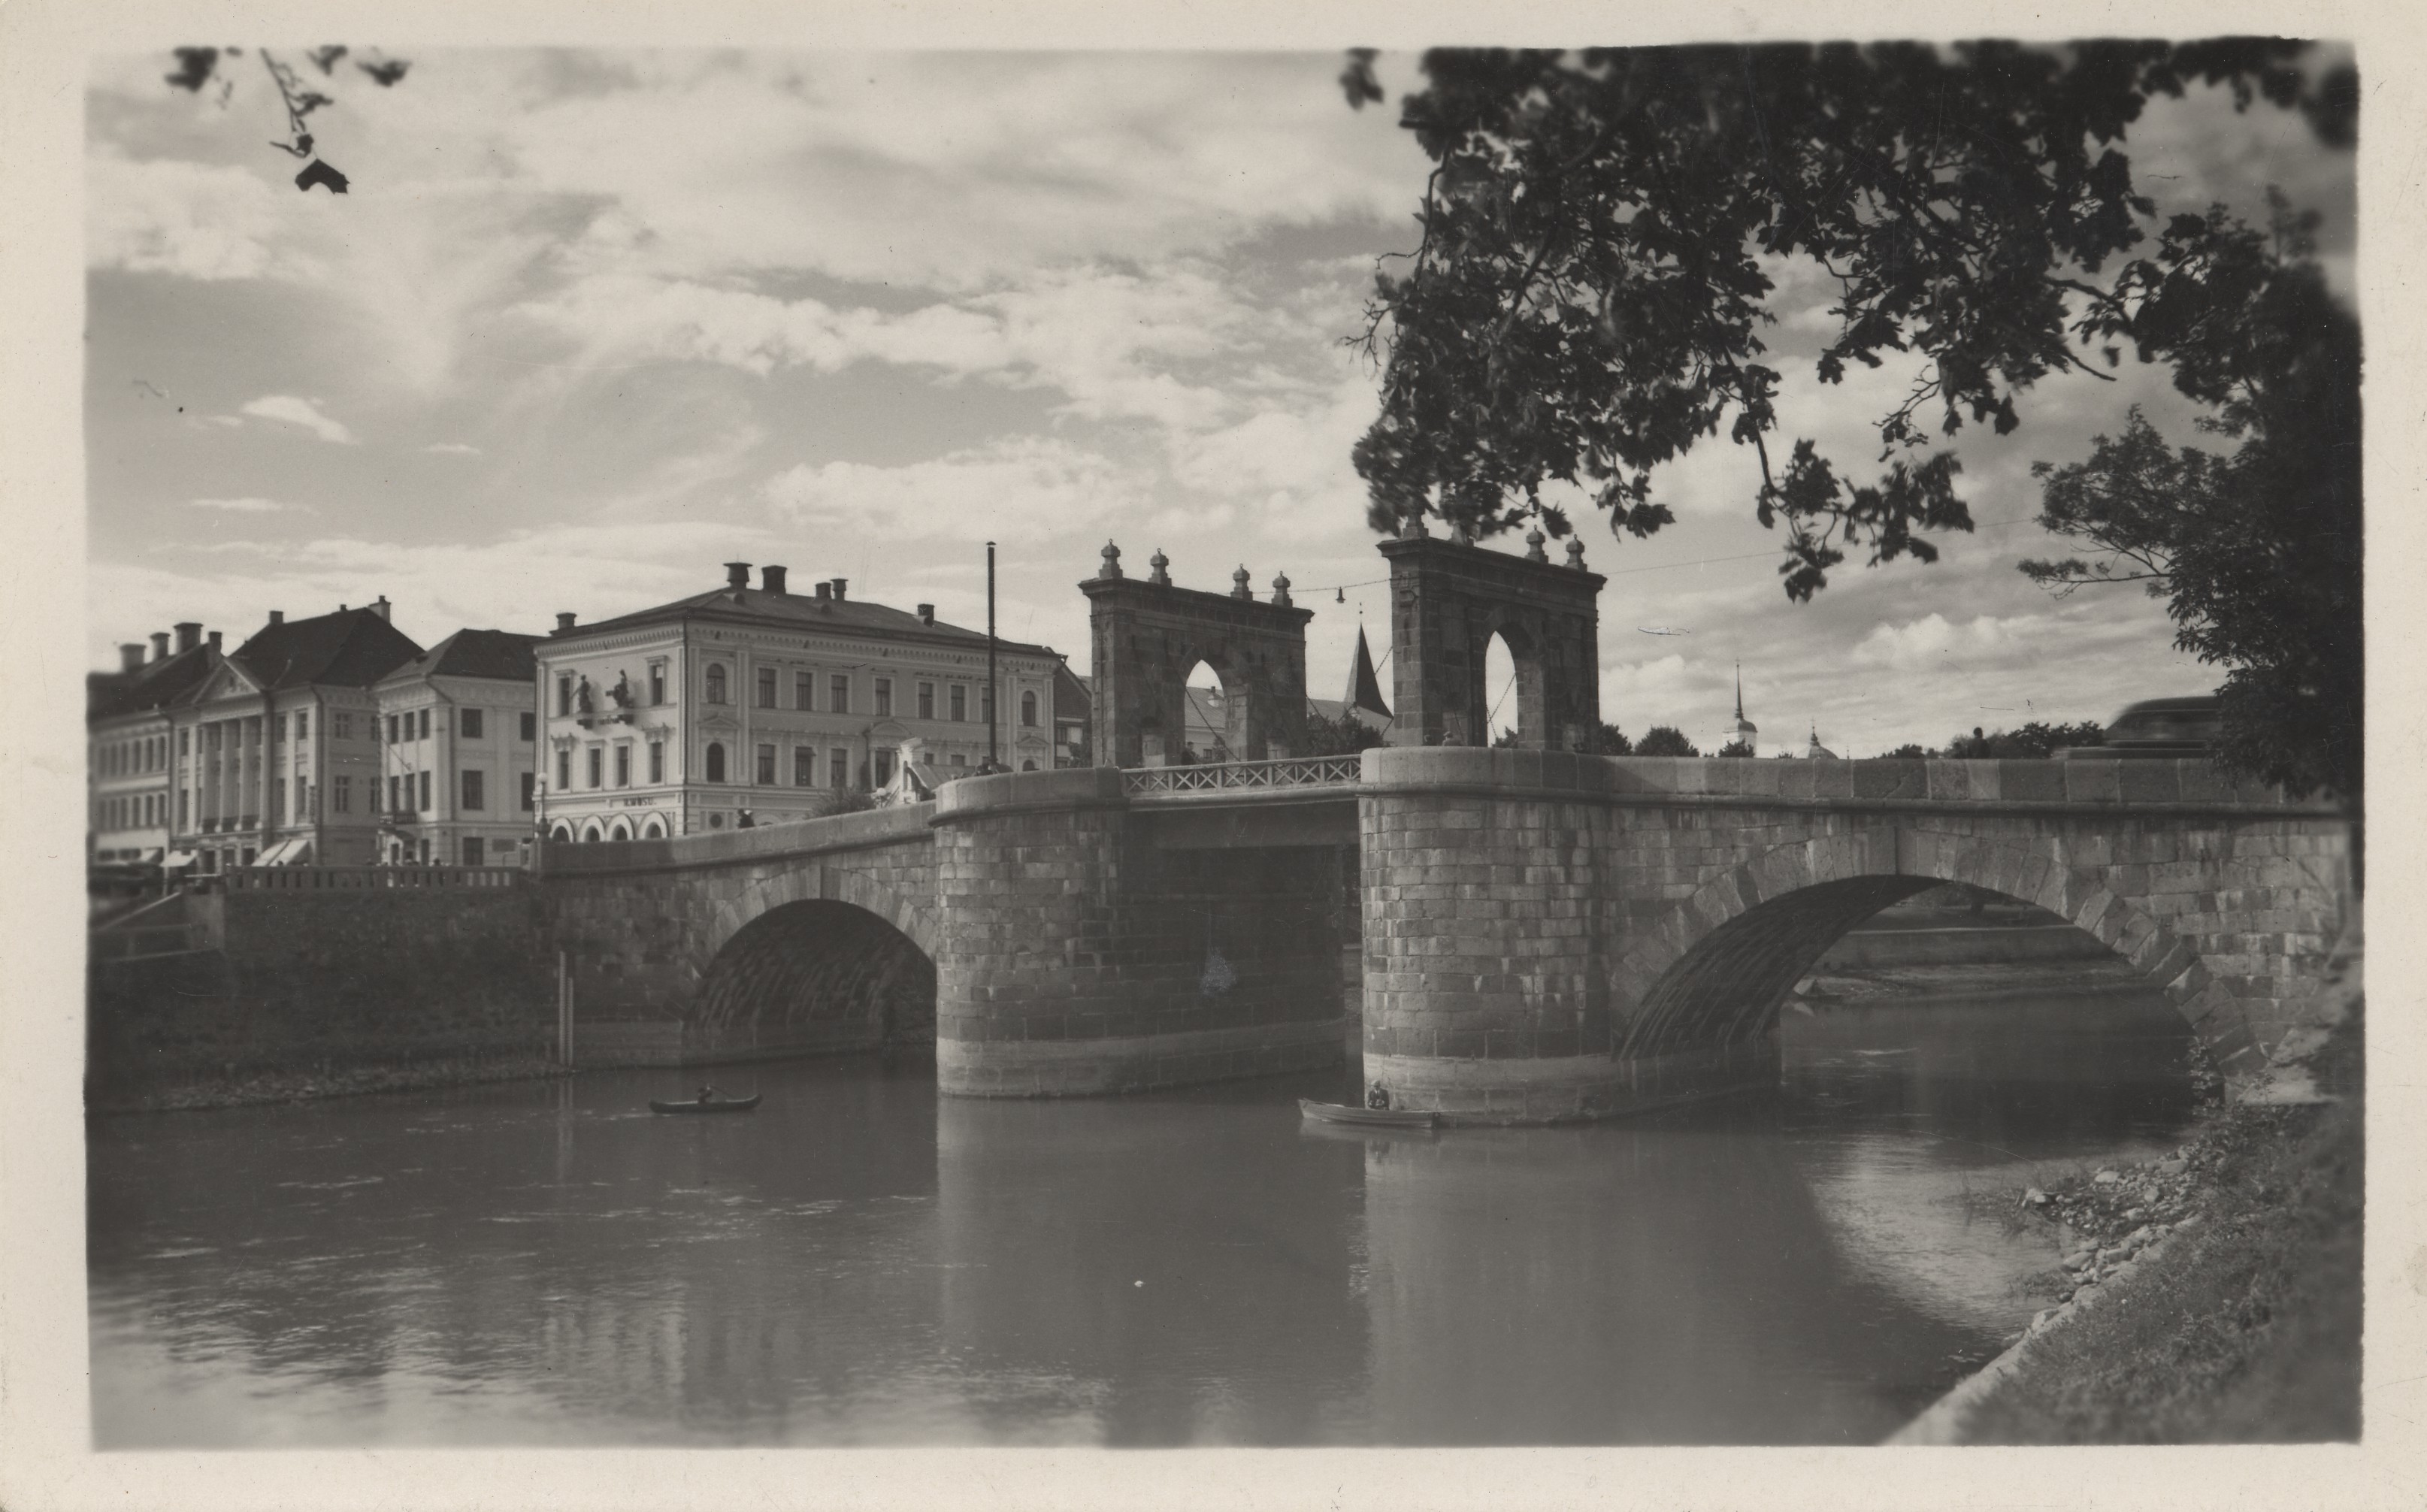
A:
[590,324]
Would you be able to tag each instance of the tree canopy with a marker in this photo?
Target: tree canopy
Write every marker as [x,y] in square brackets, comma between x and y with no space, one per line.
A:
[198,68]
[1584,302]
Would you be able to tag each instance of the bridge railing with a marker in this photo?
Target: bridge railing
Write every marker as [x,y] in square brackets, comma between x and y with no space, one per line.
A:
[1230,776]
[358,879]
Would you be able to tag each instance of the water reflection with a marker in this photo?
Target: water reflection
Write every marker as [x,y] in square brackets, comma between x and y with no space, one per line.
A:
[857,1262]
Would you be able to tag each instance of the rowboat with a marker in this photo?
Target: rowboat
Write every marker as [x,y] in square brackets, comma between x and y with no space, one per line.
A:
[715,1105]
[1340,1112]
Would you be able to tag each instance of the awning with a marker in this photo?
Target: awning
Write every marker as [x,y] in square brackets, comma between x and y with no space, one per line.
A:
[295,853]
[179,858]
[277,855]
[151,857]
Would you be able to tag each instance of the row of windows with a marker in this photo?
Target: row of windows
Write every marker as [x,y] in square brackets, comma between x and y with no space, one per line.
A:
[122,758]
[470,724]
[409,793]
[130,810]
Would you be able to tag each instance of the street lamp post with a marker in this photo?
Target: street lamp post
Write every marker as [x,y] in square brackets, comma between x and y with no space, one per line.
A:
[993,689]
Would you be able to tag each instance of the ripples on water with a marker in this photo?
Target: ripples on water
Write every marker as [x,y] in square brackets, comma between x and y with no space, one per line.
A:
[861,1262]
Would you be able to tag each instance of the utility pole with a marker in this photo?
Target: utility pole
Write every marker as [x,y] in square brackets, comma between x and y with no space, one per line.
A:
[993,713]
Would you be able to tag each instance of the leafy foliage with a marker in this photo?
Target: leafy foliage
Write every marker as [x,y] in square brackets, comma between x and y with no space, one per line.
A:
[1608,739]
[198,67]
[2032,742]
[1737,747]
[1907,752]
[1344,735]
[2257,552]
[1598,230]
[1665,740]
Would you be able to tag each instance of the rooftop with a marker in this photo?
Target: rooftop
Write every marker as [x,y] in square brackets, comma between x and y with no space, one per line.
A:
[505,655]
[735,604]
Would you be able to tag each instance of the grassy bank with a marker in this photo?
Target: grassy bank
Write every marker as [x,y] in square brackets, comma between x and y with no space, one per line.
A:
[252,1088]
[2241,1326]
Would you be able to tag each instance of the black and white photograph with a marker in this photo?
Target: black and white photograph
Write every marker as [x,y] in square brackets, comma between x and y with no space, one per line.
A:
[1075,743]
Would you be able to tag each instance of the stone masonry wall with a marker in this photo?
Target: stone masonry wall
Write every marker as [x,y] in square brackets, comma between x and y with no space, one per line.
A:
[1543,931]
[347,978]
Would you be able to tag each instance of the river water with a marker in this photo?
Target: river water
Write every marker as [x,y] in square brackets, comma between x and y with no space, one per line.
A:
[862,1263]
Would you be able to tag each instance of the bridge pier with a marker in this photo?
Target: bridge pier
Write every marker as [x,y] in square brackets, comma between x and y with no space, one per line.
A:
[1078,956]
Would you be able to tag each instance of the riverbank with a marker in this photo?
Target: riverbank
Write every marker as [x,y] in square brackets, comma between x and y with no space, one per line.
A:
[2209,1296]
[255,1088]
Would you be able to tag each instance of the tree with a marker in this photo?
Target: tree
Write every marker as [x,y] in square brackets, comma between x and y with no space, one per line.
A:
[2256,552]
[1608,739]
[1344,735]
[198,67]
[1907,752]
[1582,303]
[2034,741]
[1737,747]
[1665,740]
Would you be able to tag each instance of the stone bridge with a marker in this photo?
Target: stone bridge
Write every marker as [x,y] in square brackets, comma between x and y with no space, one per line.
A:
[1525,935]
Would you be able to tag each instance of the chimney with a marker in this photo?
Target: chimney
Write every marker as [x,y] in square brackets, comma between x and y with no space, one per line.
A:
[215,643]
[926,613]
[737,575]
[825,589]
[563,622]
[379,606]
[130,657]
[772,579]
[159,645]
[190,635]
[278,616]
[841,583]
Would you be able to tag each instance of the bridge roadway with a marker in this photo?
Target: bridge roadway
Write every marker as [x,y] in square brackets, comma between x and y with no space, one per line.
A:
[1520,935]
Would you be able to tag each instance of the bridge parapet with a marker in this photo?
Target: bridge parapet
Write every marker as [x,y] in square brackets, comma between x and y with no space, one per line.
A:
[1232,777]
[834,832]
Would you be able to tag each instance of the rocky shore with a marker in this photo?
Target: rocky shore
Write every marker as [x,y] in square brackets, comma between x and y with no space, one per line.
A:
[254,1088]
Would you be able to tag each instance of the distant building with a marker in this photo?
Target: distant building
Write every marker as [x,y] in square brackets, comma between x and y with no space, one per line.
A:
[1819,751]
[1074,704]
[1364,689]
[129,744]
[459,745]
[1746,730]
[277,759]
[759,701]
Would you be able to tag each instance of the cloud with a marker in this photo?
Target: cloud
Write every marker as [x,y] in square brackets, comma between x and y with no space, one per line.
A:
[245,506]
[451,449]
[1028,487]
[289,409]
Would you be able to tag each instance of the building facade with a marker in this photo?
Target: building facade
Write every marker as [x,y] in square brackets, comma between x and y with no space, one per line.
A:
[458,748]
[130,739]
[276,756]
[761,706]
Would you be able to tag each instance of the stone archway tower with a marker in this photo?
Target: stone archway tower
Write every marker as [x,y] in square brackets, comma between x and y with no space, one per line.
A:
[1449,598]
[1146,634]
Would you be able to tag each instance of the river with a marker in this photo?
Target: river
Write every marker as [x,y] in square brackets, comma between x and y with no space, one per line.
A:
[861,1262]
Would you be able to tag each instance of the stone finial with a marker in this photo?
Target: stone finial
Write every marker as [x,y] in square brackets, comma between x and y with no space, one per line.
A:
[1280,591]
[1411,525]
[1534,545]
[1575,553]
[1112,568]
[1162,565]
[1239,588]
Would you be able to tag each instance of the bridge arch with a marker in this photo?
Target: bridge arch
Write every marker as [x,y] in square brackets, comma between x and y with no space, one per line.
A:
[816,959]
[1716,965]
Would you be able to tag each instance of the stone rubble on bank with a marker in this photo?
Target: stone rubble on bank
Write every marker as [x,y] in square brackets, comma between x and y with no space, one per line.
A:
[2111,1221]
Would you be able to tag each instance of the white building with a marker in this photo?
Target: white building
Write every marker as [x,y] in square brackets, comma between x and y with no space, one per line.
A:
[765,704]
[459,744]
[130,739]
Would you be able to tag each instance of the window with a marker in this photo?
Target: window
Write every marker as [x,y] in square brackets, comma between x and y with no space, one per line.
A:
[396,795]
[425,853]
[1028,710]
[839,767]
[344,796]
[657,761]
[767,766]
[563,769]
[303,799]
[528,784]
[624,765]
[960,758]
[472,846]
[656,682]
[425,725]
[766,687]
[183,749]
[596,764]
[804,689]
[960,703]
[303,724]
[182,806]
[475,795]
[716,685]
[883,767]
[805,767]
[467,725]
[926,700]
[529,730]
[391,729]
[341,728]
[563,693]
[885,698]
[715,761]
[425,792]
[838,693]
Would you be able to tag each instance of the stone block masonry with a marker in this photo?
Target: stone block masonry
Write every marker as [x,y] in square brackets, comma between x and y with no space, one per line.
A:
[349,979]
[1549,935]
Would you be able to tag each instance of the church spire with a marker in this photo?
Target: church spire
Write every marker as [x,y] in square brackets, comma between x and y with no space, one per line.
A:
[1364,689]
[1745,727]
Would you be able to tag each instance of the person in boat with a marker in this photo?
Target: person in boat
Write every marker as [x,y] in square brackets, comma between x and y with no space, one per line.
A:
[707,1093]
[1376,1096]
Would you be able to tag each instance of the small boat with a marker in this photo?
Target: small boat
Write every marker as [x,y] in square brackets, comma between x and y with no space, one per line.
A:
[1340,1112]
[713,1105]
